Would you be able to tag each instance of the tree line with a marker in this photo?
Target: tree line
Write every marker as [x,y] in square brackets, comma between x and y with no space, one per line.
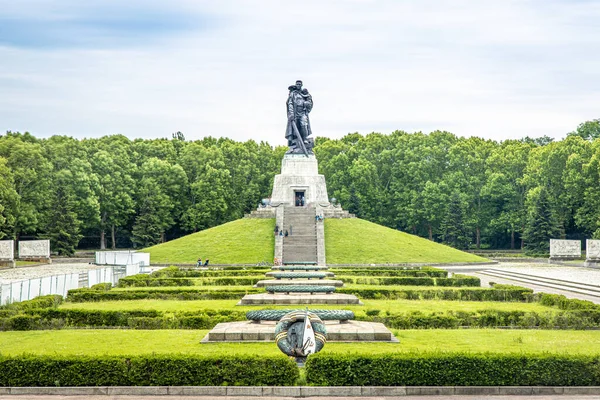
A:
[122,193]
[466,192]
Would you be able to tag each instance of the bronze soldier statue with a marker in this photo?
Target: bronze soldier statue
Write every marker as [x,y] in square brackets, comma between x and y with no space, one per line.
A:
[299,104]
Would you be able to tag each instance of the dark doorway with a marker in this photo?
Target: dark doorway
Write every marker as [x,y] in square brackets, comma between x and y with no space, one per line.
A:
[299,198]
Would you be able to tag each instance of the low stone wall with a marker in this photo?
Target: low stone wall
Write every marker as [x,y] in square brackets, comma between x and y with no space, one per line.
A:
[303,391]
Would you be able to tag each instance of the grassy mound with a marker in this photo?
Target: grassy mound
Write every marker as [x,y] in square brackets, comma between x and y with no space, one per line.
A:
[356,241]
[244,241]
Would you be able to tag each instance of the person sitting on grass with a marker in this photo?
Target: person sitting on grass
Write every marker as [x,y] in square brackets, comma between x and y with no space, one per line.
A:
[199,263]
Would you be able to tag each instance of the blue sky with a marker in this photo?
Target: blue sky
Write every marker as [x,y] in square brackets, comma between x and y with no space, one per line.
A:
[483,68]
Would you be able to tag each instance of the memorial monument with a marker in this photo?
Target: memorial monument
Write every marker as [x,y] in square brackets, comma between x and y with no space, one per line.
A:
[299,203]
[562,250]
[35,250]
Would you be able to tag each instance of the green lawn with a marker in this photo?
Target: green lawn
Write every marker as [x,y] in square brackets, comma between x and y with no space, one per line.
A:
[396,306]
[132,342]
[244,241]
[356,241]
[27,263]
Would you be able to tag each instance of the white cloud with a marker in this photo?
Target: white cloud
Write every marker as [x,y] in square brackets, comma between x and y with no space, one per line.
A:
[492,69]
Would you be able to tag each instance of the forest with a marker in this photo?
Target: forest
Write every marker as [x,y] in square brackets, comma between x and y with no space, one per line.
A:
[113,192]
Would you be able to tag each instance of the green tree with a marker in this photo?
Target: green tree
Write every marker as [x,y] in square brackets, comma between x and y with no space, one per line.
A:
[154,215]
[31,174]
[542,224]
[454,231]
[8,200]
[588,130]
[61,225]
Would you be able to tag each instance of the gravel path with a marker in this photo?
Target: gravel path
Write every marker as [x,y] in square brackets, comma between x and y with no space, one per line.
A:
[40,271]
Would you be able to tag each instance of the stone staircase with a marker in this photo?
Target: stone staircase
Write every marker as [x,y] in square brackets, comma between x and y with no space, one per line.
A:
[300,247]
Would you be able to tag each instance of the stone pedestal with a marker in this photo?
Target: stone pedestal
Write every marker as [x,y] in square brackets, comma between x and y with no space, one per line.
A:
[299,173]
[350,331]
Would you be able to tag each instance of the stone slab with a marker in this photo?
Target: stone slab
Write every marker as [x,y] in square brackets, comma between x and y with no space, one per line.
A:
[327,273]
[7,250]
[330,391]
[565,249]
[138,390]
[592,251]
[34,248]
[300,268]
[310,282]
[298,298]
[545,392]
[350,331]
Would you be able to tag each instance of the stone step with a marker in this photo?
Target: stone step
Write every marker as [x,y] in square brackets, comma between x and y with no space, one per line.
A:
[298,298]
[272,273]
[301,282]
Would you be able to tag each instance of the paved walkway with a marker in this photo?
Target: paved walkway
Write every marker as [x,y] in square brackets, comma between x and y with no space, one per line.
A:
[53,397]
[577,274]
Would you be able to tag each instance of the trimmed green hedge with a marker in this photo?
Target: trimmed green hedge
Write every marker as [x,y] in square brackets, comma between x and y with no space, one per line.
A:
[452,369]
[148,370]
[575,319]
[52,318]
[206,319]
[175,272]
[564,303]
[434,273]
[515,293]
[52,300]
[459,281]
[143,280]
[85,295]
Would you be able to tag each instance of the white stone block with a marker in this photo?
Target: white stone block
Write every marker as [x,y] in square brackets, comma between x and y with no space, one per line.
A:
[565,248]
[34,248]
[592,249]
[7,250]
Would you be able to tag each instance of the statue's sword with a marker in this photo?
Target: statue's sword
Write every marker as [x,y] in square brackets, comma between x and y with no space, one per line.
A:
[299,138]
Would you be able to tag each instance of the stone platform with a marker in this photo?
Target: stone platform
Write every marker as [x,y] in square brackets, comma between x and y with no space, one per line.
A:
[350,331]
[309,282]
[270,274]
[298,298]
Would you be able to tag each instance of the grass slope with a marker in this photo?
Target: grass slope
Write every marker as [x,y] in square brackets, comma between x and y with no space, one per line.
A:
[244,241]
[356,241]
[132,342]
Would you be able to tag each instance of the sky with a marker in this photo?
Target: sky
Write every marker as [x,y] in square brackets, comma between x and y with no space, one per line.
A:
[145,68]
